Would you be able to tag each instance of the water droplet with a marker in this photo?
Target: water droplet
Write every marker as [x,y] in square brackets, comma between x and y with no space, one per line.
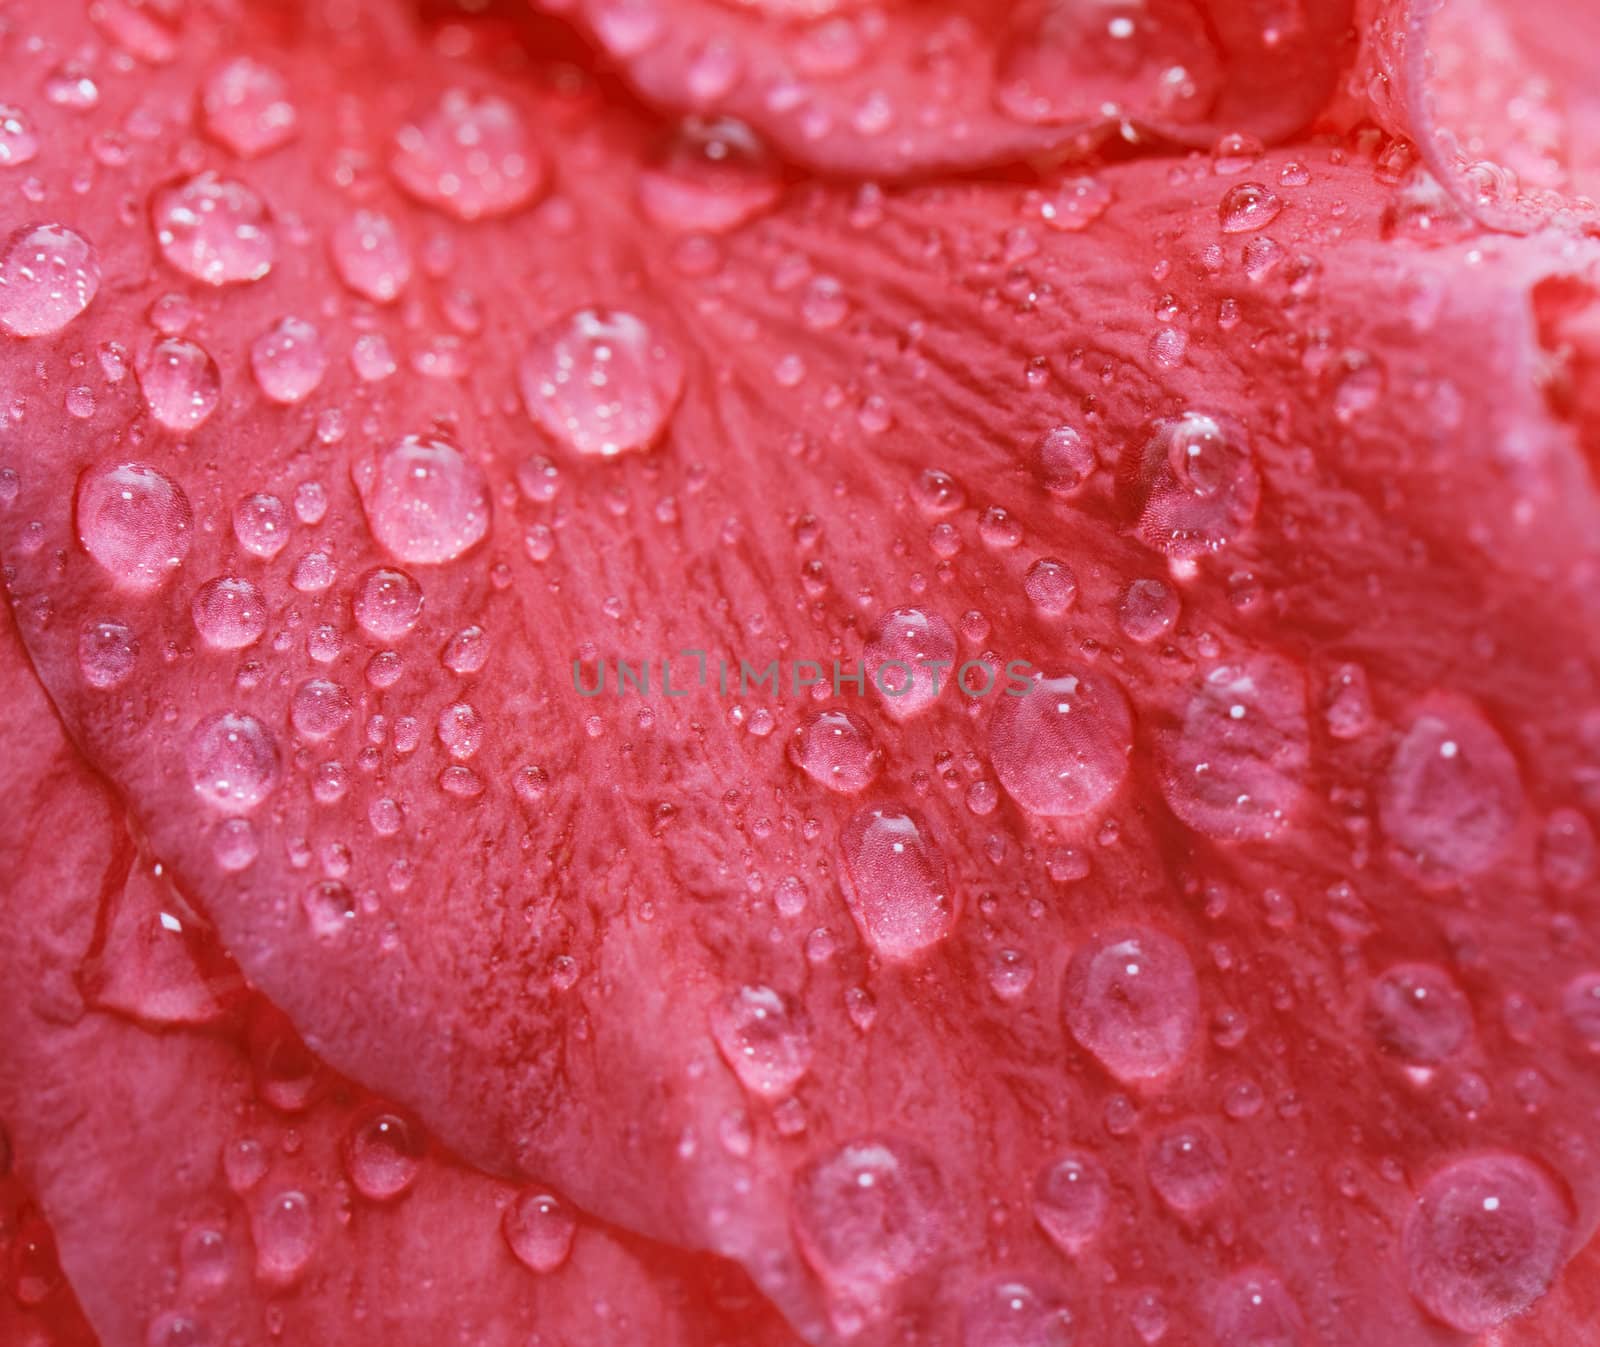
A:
[1066,462]
[285,1232]
[1567,851]
[107,652]
[764,1037]
[1580,1003]
[371,255]
[426,502]
[1452,794]
[1075,203]
[319,709]
[1246,206]
[48,276]
[261,524]
[233,762]
[234,847]
[467,651]
[712,176]
[288,361]
[910,658]
[1070,1201]
[1015,1314]
[330,909]
[135,521]
[460,730]
[1193,486]
[213,229]
[937,493]
[388,603]
[1051,586]
[868,1215]
[229,613]
[539,1228]
[1485,1240]
[244,1164]
[247,108]
[601,382]
[468,156]
[1252,1309]
[181,384]
[383,1156]
[835,749]
[1187,1166]
[1062,749]
[1416,1011]
[1348,708]
[895,881]
[19,143]
[1132,1000]
[1148,611]
[1236,768]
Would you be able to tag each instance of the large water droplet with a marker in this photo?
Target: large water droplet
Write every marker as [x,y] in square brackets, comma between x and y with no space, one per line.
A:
[1063,749]
[425,501]
[135,521]
[1235,770]
[1193,486]
[1485,1240]
[284,1227]
[1188,1166]
[911,659]
[1252,1309]
[601,382]
[371,255]
[107,652]
[229,613]
[713,176]
[288,361]
[48,276]
[1131,998]
[1416,1012]
[868,1215]
[835,749]
[214,229]
[469,156]
[181,384]
[247,108]
[233,762]
[1015,1314]
[388,603]
[539,1228]
[1070,1202]
[1452,794]
[383,1155]
[764,1037]
[895,882]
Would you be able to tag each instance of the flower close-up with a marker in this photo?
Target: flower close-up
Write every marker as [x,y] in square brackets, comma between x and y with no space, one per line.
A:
[799,673]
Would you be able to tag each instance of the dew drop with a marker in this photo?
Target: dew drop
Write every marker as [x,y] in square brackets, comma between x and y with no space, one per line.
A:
[1051,586]
[181,384]
[1132,999]
[330,909]
[895,881]
[467,651]
[1187,1167]
[48,276]
[288,361]
[213,229]
[261,524]
[319,709]
[469,156]
[107,653]
[1062,749]
[1451,797]
[388,603]
[1416,1012]
[1580,1004]
[1015,1314]
[136,522]
[1148,611]
[426,502]
[247,107]
[712,176]
[1066,462]
[601,382]
[1193,486]
[539,1228]
[285,1232]
[1235,770]
[19,143]
[1485,1240]
[1246,206]
[868,1215]
[764,1037]
[233,762]
[371,255]
[229,613]
[836,750]
[1070,1200]
[910,659]
[1252,1309]
[383,1156]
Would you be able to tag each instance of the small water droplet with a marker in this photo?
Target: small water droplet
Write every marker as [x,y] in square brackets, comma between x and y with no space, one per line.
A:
[1246,206]
[233,762]
[383,1156]
[229,613]
[48,276]
[136,523]
[836,749]
[247,107]
[469,156]
[1187,1166]
[107,653]
[764,1037]
[1416,1012]
[288,361]
[539,1228]
[213,229]
[283,1225]
[19,143]
[1070,1200]
[181,384]
[371,255]
[910,659]
[1015,1314]
[425,501]
[1252,1309]
[387,603]
[319,708]
[713,175]
[895,881]
[1132,999]
[1193,486]
[261,524]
